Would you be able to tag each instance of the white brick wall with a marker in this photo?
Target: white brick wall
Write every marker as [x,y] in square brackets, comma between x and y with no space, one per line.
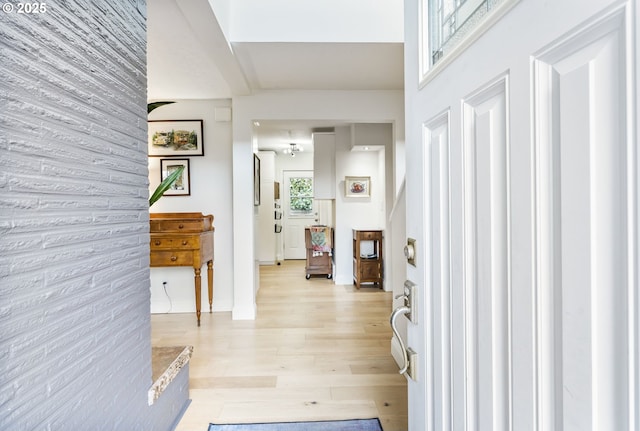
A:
[74,275]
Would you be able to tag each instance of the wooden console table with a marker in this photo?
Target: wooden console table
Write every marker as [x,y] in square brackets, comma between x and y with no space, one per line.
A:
[184,239]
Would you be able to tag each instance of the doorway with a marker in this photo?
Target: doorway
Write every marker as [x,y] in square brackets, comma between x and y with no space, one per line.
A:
[299,210]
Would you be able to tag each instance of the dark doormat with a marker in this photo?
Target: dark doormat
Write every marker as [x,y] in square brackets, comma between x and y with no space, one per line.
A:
[341,425]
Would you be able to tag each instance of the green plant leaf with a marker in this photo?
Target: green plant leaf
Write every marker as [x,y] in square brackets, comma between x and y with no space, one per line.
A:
[154,105]
[165,185]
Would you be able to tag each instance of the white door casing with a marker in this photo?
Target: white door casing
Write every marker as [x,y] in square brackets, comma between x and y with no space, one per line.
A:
[523,192]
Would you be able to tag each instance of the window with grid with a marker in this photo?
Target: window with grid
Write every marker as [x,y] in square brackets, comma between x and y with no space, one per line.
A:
[301,196]
[447,22]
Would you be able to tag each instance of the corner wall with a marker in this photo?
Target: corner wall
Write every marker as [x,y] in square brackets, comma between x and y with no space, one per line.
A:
[74,245]
[211,192]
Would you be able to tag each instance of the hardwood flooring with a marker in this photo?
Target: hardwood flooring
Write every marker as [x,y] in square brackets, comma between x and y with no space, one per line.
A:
[316,351]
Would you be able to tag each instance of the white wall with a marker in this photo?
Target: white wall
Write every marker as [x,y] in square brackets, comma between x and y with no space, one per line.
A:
[211,191]
[354,106]
[355,213]
[225,164]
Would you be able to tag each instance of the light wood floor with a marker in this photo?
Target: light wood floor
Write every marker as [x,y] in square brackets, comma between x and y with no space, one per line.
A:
[317,351]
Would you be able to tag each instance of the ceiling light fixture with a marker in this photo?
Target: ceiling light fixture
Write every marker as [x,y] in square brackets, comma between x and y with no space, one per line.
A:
[293,149]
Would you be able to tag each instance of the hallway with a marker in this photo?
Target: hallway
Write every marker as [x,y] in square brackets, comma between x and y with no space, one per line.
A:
[316,351]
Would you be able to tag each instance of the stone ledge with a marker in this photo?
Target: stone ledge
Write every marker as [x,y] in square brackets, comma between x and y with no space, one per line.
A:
[163,374]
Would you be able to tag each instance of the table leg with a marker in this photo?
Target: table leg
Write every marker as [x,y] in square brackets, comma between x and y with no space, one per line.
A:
[210,281]
[198,285]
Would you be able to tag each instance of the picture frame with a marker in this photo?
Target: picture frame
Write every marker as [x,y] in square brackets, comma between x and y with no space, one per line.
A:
[256,180]
[182,186]
[175,138]
[357,187]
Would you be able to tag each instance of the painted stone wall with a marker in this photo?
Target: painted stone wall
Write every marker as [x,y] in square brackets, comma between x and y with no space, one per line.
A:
[74,275]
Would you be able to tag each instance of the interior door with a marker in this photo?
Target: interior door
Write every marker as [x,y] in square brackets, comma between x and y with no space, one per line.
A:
[299,211]
[522,194]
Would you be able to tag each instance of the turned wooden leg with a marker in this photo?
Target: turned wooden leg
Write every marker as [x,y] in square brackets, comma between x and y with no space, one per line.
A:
[198,284]
[210,281]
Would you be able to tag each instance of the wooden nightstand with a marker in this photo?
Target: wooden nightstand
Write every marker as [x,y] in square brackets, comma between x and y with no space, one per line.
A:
[367,268]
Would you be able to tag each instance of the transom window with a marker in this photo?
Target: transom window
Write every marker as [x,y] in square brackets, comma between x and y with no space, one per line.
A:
[449,20]
[445,23]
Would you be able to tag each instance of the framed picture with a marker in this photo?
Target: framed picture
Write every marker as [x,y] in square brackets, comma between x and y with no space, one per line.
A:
[175,138]
[256,180]
[182,186]
[357,187]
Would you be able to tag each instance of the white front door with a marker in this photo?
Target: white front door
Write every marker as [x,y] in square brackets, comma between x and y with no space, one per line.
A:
[299,212]
[522,193]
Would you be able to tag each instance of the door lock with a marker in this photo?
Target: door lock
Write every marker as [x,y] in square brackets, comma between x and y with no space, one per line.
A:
[410,251]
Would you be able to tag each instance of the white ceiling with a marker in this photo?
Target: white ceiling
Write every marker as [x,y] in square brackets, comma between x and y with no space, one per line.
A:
[189,57]
[321,66]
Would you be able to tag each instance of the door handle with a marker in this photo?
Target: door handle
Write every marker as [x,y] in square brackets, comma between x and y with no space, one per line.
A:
[400,311]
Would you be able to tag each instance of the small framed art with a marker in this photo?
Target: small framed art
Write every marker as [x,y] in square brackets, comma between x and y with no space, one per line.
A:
[357,187]
[175,138]
[182,186]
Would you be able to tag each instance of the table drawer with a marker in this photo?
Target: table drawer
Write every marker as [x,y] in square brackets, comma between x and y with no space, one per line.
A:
[172,258]
[370,270]
[367,235]
[176,225]
[175,242]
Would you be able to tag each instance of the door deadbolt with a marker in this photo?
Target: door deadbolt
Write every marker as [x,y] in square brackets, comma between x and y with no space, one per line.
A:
[410,251]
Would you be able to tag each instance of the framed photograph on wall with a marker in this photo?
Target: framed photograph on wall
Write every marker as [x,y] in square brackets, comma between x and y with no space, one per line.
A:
[175,138]
[182,186]
[256,180]
[357,187]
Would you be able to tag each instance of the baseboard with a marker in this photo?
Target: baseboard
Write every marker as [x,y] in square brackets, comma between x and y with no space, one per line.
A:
[243,313]
[340,279]
[180,415]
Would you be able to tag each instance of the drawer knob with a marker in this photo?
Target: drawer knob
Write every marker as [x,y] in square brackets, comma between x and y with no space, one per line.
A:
[185,242]
[180,226]
[157,242]
[174,258]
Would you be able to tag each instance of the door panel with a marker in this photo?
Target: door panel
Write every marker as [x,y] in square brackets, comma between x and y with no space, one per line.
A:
[486,257]
[523,192]
[584,238]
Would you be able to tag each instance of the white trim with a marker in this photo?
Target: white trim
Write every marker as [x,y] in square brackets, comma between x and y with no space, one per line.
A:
[633,205]
[244,312]
[435,130]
